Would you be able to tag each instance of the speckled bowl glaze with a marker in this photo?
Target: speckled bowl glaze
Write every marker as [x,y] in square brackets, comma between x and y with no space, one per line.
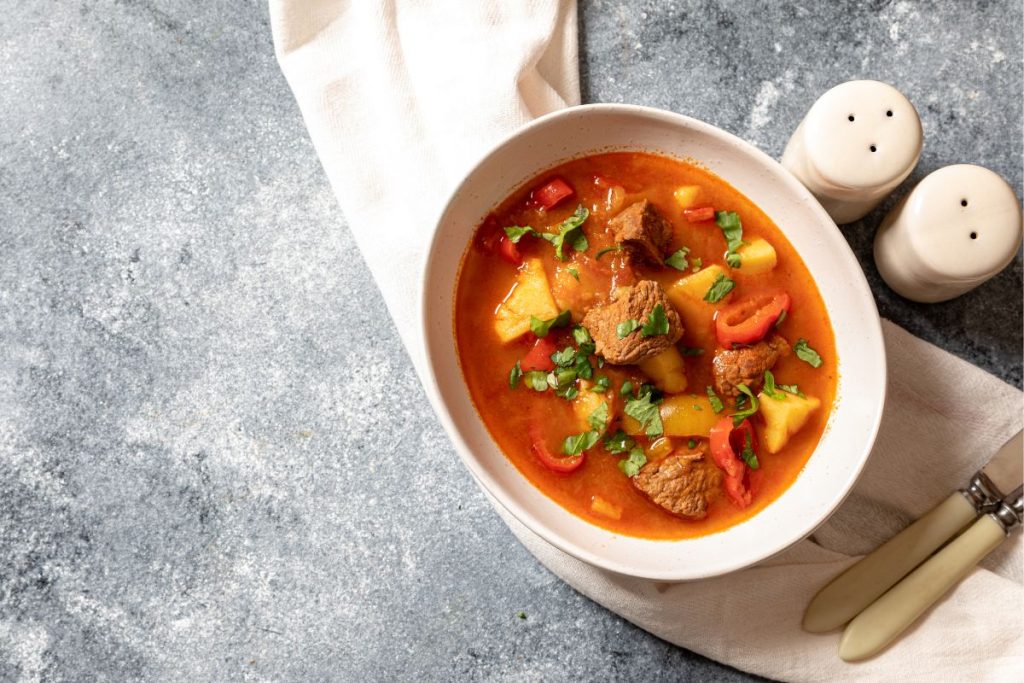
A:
[840,456]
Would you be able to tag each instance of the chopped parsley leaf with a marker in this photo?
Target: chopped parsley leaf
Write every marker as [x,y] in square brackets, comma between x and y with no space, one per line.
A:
[732,228]
[716,403]
[565,357]
[542,327]
[583,338]
[607,250]
[691,444]
[577,443]
[805,353]
[698,263]
[626,389]
[598,419]
[748,454]
[769,386]
[792,389]
[536,380]
[656,323]
[515,375]
[601,383]
[678,259]
[575,273]
[645,411]
[626,328]
[516,232]
[742,415]
[619,442]
[631,466]
[569,232]
[719,288]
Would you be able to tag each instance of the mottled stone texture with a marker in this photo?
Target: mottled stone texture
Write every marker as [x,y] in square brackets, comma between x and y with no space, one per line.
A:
[215,459]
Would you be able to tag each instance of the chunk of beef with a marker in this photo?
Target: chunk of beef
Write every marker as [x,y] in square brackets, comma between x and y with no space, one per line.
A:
[733,367]
[642,231]
[684,484]
[632,303]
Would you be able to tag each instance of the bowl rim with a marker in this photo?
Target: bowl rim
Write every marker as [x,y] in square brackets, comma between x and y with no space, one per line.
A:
[494,491]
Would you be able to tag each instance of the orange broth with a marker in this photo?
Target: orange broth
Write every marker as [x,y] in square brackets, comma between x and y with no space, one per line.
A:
[485,279]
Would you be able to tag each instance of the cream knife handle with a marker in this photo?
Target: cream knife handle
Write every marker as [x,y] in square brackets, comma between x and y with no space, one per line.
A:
[891,614]
[861,584]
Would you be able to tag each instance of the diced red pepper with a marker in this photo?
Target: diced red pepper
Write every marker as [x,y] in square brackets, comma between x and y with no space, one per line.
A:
[509,251]
[551,193]
[726,440]
[749,321]
[699,213]
[555,463]
[539,357]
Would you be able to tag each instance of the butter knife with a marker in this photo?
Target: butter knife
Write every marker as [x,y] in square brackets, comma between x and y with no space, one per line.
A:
[861,584]
[889,616]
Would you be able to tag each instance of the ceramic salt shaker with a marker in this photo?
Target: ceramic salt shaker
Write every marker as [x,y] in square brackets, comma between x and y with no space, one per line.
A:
[957,228]
[858,142]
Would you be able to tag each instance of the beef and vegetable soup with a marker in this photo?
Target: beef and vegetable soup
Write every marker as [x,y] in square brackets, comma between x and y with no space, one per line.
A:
[644,345]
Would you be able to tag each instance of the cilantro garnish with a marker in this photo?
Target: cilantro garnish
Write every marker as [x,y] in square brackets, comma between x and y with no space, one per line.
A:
[517,232]
[631,466]
[626,328]
[698,263]
[565,357]
[569,232]
[626,389]
[716,403]
[769,386]
[598,419]
[656,323]
[542,327]
[742,415]
[805,353]
[606,250]
[575,273]
[514,375]
[729,222]
[719,288]
[691,444]
[792,389]
[577,443]
[645,411]
[678,259]
[601,383]
[619,442]
[536,380]
[748,454]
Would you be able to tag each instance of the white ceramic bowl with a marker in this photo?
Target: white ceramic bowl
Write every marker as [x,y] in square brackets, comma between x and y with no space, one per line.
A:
[834,466]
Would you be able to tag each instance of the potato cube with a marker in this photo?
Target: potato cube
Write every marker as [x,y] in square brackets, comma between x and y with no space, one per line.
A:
[681,415]
[667,370]
[784,417]
[584,405]
[529,296]
[687,195]
[687,296]
[756,256]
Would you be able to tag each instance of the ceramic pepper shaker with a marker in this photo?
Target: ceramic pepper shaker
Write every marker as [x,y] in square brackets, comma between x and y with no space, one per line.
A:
[957,228]
[858,142]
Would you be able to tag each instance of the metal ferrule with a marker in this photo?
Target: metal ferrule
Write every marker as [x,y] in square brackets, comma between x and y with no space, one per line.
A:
[982,494]
[1010,512]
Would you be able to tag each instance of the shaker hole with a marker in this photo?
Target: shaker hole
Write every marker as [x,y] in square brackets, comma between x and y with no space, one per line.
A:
[963,202]
[974,235]
[889,113]
[850,117]
[873,148]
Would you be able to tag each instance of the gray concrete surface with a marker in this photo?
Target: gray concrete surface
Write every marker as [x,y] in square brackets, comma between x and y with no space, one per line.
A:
[215,460]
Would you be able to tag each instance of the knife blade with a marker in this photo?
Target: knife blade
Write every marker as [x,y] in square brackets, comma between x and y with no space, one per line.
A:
[860,585]
[884,620]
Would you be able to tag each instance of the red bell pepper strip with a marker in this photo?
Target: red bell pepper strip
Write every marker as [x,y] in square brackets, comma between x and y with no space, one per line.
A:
[749,321]
[699,213]
[724,441]
[539,357]
[551,193]
[563,464]
[509,251]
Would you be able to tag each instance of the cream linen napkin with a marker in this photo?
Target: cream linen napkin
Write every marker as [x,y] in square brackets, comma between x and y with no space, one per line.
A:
[402,96]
